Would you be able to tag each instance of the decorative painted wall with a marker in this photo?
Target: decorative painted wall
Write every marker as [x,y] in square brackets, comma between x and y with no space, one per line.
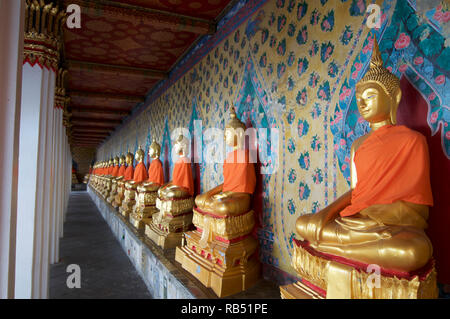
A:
[292,65]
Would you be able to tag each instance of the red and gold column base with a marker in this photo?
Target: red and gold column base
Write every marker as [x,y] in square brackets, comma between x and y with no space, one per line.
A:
[228,267]
[328,276]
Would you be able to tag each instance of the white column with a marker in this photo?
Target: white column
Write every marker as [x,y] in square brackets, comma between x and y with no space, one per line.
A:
[33,191]
[48,188]
[11,57]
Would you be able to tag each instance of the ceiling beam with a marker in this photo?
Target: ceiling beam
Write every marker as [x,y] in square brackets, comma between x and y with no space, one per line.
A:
[136,14]
[93,128]
[111,69]
[87,135]
[97,139]
[100,110]
[78,119]
[112,96]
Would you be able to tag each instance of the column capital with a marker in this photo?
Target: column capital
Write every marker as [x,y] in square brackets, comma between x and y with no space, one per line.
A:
[61,98]
[44,21]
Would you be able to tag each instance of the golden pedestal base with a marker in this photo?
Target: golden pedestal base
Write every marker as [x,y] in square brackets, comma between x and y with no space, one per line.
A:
[127,207]
[168,224]
[299,290]
[129,202]
[163,239]
[138,222]
[227,268]
[166,230]
[327,276]
[120,194]
[113,192]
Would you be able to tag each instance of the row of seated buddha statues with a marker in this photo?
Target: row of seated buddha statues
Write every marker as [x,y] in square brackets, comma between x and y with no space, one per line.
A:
[213,239]
[370,243]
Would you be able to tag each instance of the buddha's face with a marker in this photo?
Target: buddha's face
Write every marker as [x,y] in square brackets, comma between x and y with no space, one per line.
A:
[181,147]
[129,159]
[121,161]
[153,152]
[138,157]
[233,136]
[374,104]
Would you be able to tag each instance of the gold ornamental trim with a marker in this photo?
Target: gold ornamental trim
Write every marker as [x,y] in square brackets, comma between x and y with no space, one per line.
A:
[175,207]
[43,33]
[227,228]
[316,270]
[146,198]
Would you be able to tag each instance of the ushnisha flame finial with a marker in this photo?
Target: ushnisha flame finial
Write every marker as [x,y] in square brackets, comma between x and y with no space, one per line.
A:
[379,74]
[234,122]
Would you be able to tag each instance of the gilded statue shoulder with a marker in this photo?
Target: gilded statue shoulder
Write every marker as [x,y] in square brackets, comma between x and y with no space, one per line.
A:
[357,143]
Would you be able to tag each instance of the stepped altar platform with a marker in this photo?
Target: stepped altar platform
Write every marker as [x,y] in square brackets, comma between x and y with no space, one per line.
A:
[164,277]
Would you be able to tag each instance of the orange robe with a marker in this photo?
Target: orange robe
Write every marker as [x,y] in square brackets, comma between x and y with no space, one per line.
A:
[182,175]
[392,164]
[121,171]
[129,172]
[238,174]
[115,171]
[155,172]
[140,173]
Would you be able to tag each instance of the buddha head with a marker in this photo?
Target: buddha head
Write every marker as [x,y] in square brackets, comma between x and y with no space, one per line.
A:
[181,145]
[122,160]
[129,158]
[116,160]
[378,93]
[234,130]
[155,149]
[139,156]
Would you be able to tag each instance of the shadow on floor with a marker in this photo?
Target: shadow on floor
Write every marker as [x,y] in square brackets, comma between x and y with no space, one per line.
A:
[106,271]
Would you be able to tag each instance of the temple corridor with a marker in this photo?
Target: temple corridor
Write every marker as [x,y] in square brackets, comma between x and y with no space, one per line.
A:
[106,271]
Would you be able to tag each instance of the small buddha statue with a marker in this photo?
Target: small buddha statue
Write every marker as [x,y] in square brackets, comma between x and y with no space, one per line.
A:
[128,175]
[139,175]
[113,170]
[221,252]
[147,191]
[233,197]
[174,202]
[115,176]
[182,183]
[122,167]
[381,219]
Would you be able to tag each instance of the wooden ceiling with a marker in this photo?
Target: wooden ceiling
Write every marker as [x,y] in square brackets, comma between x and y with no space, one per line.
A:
[121,51]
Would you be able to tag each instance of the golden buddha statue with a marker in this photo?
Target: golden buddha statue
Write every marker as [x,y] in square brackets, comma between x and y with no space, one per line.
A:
[112,172]
[101,177]
[128,175]
[174,202]
[380,222]
[118,163]
[139,175]
[221,252]
[147,191]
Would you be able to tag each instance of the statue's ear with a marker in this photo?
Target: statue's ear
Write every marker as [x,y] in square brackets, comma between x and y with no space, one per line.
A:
[398,96]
